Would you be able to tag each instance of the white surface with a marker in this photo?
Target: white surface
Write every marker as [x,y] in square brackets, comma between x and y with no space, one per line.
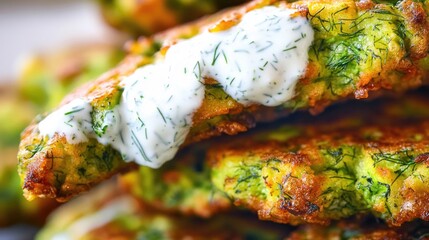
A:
[42,25]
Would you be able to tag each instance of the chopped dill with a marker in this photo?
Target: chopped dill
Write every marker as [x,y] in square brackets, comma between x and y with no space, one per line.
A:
[74,111]
[290,48]
[216,54]
[269,44]
[36,149]
[139,146]
[403,158]
[162,115]
[224,57]
[197,65]
[140,120]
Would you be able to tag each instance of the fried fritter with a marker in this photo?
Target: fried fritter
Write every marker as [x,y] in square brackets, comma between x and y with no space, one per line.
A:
[151,16]
[317,173]
[319,176]
[108,213]
[358,47]
[361,229]
[342,163]
[14,207]
[181,186]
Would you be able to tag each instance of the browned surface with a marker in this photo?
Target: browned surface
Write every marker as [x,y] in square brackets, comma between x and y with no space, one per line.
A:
[302,157]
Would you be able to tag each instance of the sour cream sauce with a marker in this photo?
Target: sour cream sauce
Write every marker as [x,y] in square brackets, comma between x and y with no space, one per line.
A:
[257,61]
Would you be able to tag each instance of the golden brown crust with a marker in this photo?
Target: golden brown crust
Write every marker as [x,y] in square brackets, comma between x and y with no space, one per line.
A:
[301,157]
[417,21]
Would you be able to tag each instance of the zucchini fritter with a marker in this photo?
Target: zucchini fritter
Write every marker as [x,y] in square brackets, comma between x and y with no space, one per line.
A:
[183,186]
[358,47]
[342,163]
[319,176]
[361,229]
[108,213]
[151,16]
[14,208]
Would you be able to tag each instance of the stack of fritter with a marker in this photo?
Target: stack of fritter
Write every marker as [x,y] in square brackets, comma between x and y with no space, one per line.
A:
[357,164]
[343,168]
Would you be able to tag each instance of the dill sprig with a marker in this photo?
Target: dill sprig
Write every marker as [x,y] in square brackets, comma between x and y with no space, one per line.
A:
[35,148]
[403,158]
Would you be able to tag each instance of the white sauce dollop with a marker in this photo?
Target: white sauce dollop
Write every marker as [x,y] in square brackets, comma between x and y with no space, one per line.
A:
[257,61]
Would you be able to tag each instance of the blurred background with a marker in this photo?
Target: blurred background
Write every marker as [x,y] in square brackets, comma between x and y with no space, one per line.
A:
[43,26]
